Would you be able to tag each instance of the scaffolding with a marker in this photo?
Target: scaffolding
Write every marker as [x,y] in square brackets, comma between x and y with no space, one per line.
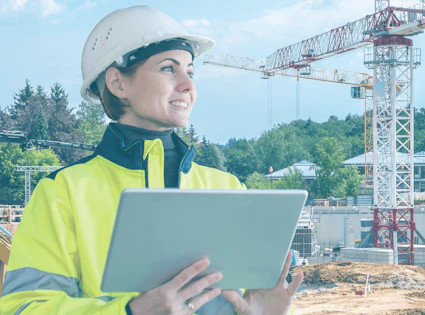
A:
[28,170]
[305,242]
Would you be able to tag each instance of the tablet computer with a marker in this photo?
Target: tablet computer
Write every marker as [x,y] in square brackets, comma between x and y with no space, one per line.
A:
[246,234]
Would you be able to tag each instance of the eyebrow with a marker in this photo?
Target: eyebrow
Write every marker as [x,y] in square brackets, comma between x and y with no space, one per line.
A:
[175,61]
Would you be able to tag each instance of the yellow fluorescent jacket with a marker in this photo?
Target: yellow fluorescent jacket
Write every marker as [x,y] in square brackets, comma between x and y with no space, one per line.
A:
[60,248]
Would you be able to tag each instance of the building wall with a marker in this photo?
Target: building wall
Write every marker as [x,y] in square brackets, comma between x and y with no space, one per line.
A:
[330,229]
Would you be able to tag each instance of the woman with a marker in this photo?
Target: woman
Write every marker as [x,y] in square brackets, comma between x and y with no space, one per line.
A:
[138,62]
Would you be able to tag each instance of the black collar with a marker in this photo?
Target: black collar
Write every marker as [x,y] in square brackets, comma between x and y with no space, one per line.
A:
[130,154]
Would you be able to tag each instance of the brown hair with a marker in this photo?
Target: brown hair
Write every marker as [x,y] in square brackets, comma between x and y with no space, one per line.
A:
[113,106]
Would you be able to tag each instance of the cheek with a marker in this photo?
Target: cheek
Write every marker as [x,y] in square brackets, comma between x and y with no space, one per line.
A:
[194,95]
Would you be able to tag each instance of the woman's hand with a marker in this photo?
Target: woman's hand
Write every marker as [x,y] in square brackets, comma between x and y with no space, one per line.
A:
[276,301]
[170,298]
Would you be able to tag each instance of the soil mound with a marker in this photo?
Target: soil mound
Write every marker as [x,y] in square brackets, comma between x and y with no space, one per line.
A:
[398,276]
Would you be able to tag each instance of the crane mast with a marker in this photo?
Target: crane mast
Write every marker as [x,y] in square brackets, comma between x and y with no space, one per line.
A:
[393,59]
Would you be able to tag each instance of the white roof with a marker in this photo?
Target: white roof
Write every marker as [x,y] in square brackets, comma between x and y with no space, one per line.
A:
[418,158]
[307,168]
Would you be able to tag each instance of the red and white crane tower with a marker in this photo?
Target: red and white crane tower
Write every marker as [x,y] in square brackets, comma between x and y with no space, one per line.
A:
[393,60]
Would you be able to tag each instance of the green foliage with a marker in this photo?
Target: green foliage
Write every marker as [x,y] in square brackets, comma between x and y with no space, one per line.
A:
[91,119]
[270,148]
[351,178]
[332,179]
[189,136]
[210,155]
[241,158]
[257,181]
[41,130]
[329,157]
[293,179]
[12,181]
[44,116]
[6,122]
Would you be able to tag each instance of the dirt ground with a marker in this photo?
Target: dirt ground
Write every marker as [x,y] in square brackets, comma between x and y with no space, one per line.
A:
[330,289]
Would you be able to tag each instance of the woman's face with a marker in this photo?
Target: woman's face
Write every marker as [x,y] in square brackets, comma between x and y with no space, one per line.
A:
[162,93]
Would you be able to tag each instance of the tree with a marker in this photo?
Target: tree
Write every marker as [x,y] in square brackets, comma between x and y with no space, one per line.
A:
[41,127]
[20,110]
[63,124]
[329,157]
[332,179]
[257,181]
[270,149]
[241,159]
[91,119]
[193,137]
[188,137]
[11,181]
[20,105]
[6,122]
[293,179]
[210,155]
[352,179]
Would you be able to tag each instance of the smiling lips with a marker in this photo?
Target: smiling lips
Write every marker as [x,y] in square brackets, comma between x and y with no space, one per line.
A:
[179,104]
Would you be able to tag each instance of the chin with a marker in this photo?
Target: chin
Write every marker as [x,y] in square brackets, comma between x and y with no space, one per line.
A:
[181,124]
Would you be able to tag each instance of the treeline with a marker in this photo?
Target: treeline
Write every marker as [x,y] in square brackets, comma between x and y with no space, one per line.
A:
[44,115]
[47,115]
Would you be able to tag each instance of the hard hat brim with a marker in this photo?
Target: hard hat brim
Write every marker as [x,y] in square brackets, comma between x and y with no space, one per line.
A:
[203,44]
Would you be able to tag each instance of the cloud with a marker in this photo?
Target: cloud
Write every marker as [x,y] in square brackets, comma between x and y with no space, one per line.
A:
[200,26]
[12,5]
[50,7]
[196,23]
[44,7]
[87,5]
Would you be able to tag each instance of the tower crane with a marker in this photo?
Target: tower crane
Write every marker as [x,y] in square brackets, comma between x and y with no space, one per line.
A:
[392,59]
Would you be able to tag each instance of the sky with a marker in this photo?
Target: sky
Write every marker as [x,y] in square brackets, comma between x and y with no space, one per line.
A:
[42,41]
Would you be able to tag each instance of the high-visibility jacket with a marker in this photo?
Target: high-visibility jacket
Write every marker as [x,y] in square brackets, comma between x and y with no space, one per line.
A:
[59,250]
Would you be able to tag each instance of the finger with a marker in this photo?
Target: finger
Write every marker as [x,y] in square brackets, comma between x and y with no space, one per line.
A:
[295,284]
[188,274]
[204,298]
[240,305]
[201,284]
[285,270]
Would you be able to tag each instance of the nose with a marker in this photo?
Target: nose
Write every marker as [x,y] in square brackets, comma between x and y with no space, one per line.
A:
[185,84]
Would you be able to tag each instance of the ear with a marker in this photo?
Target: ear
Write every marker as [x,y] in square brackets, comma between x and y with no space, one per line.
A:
[115,83]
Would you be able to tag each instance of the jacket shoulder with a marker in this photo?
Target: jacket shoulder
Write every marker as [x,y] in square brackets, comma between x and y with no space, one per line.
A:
[80,162]
[221,179]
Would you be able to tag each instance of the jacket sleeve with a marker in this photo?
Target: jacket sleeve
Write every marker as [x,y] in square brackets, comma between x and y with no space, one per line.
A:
[43,273]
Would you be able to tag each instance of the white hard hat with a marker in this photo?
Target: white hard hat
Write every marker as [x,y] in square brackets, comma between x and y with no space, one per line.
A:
[124,31]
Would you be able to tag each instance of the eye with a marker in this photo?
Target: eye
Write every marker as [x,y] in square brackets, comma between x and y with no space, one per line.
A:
[168,68]
[190,74]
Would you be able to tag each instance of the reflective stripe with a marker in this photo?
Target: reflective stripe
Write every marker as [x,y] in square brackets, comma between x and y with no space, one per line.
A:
[106,298]
[29,279]
[218,306]
[25,306]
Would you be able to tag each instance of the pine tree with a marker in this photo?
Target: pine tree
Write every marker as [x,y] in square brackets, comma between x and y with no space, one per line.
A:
[21,100]
[41,127]
[193,137]
[63,124]
[6,122]
[210,155]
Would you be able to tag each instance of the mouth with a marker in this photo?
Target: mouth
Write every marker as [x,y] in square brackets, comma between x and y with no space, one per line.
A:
[179,104]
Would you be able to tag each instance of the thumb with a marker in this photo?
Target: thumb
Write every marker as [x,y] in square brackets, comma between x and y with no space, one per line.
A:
[240,305]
